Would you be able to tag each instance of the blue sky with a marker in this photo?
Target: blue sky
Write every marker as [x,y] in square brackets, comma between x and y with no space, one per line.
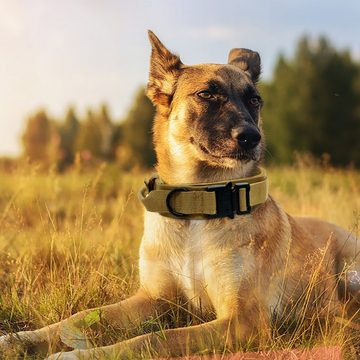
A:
[84,52]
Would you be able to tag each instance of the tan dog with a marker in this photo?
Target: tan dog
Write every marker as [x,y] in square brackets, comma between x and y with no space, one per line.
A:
[243,269]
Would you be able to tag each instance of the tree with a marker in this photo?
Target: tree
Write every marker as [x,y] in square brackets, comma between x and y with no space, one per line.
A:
[107,130]
[68,132]
[311,102]
[89,139]
[36,137]
[137,132]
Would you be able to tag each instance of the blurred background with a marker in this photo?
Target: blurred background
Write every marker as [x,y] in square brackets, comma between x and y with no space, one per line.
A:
[73,74]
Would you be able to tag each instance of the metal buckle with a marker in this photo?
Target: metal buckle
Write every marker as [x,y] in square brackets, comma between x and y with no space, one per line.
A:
[228,200]
[237,188]
[168,198]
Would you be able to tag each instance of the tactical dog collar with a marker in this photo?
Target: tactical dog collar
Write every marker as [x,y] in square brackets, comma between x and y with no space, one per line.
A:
[205,200]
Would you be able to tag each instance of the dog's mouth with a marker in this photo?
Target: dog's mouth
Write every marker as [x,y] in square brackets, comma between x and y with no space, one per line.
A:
[239,155]
[201,147]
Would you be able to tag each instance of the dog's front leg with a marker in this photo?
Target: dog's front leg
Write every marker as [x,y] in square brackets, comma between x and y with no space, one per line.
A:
[217,335]
[120,315]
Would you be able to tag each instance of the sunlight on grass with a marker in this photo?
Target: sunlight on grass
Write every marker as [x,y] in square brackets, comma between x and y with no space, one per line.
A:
[70,242]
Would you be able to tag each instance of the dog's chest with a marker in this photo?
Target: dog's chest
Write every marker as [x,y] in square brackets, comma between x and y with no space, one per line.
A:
[204,261]
[191,264]
[209,264]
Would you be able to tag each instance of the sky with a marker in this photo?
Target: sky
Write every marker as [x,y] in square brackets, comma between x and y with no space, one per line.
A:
[86,52]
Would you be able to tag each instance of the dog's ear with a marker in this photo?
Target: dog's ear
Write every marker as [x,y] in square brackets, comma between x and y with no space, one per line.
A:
[164,72]
[246,60]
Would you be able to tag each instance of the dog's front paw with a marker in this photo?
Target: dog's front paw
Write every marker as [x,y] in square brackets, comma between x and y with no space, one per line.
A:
[5,342]
[23,341]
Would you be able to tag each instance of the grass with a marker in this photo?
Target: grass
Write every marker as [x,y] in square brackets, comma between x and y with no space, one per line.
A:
[70,242]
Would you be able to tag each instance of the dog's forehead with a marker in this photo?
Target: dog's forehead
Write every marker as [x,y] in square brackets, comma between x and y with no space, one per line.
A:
[226,75]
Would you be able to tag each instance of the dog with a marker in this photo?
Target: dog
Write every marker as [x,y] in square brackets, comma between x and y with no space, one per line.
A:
[212,233]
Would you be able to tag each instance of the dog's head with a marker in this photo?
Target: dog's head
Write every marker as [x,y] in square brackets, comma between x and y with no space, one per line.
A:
[208,112]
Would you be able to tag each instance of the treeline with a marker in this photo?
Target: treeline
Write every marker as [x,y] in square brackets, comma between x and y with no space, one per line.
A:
[96,137]
[312,106]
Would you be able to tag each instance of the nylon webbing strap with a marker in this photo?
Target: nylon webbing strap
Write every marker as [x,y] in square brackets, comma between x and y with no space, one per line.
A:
[204,201]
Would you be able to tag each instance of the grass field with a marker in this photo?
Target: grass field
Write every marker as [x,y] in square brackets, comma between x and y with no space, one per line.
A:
[70,242]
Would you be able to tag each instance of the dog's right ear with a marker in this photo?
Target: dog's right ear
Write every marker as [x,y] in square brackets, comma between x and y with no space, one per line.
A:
[247,60]
[164,72]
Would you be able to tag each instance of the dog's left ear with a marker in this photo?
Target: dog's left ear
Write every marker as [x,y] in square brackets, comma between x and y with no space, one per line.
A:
[247,60]
[164,72]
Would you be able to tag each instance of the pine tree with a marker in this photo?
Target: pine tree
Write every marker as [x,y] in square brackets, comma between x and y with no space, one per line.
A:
[311,102]
[36,137]
[107,130]
[137,132]
[68,132]
[88,141]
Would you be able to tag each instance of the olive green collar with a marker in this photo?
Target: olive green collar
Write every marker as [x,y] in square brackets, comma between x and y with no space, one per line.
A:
[205,200]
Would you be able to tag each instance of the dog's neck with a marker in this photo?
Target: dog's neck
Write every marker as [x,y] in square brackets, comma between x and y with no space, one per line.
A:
[176,168]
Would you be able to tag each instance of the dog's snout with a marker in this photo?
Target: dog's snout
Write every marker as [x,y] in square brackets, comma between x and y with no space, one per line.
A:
[248,138]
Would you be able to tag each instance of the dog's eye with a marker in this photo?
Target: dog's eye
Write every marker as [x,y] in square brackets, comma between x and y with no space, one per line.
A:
[255,101]
[205,95]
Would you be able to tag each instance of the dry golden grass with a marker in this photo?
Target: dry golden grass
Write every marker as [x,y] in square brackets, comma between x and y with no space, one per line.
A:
[70,242]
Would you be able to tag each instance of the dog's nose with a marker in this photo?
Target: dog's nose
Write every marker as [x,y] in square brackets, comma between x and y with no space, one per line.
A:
[248,138]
